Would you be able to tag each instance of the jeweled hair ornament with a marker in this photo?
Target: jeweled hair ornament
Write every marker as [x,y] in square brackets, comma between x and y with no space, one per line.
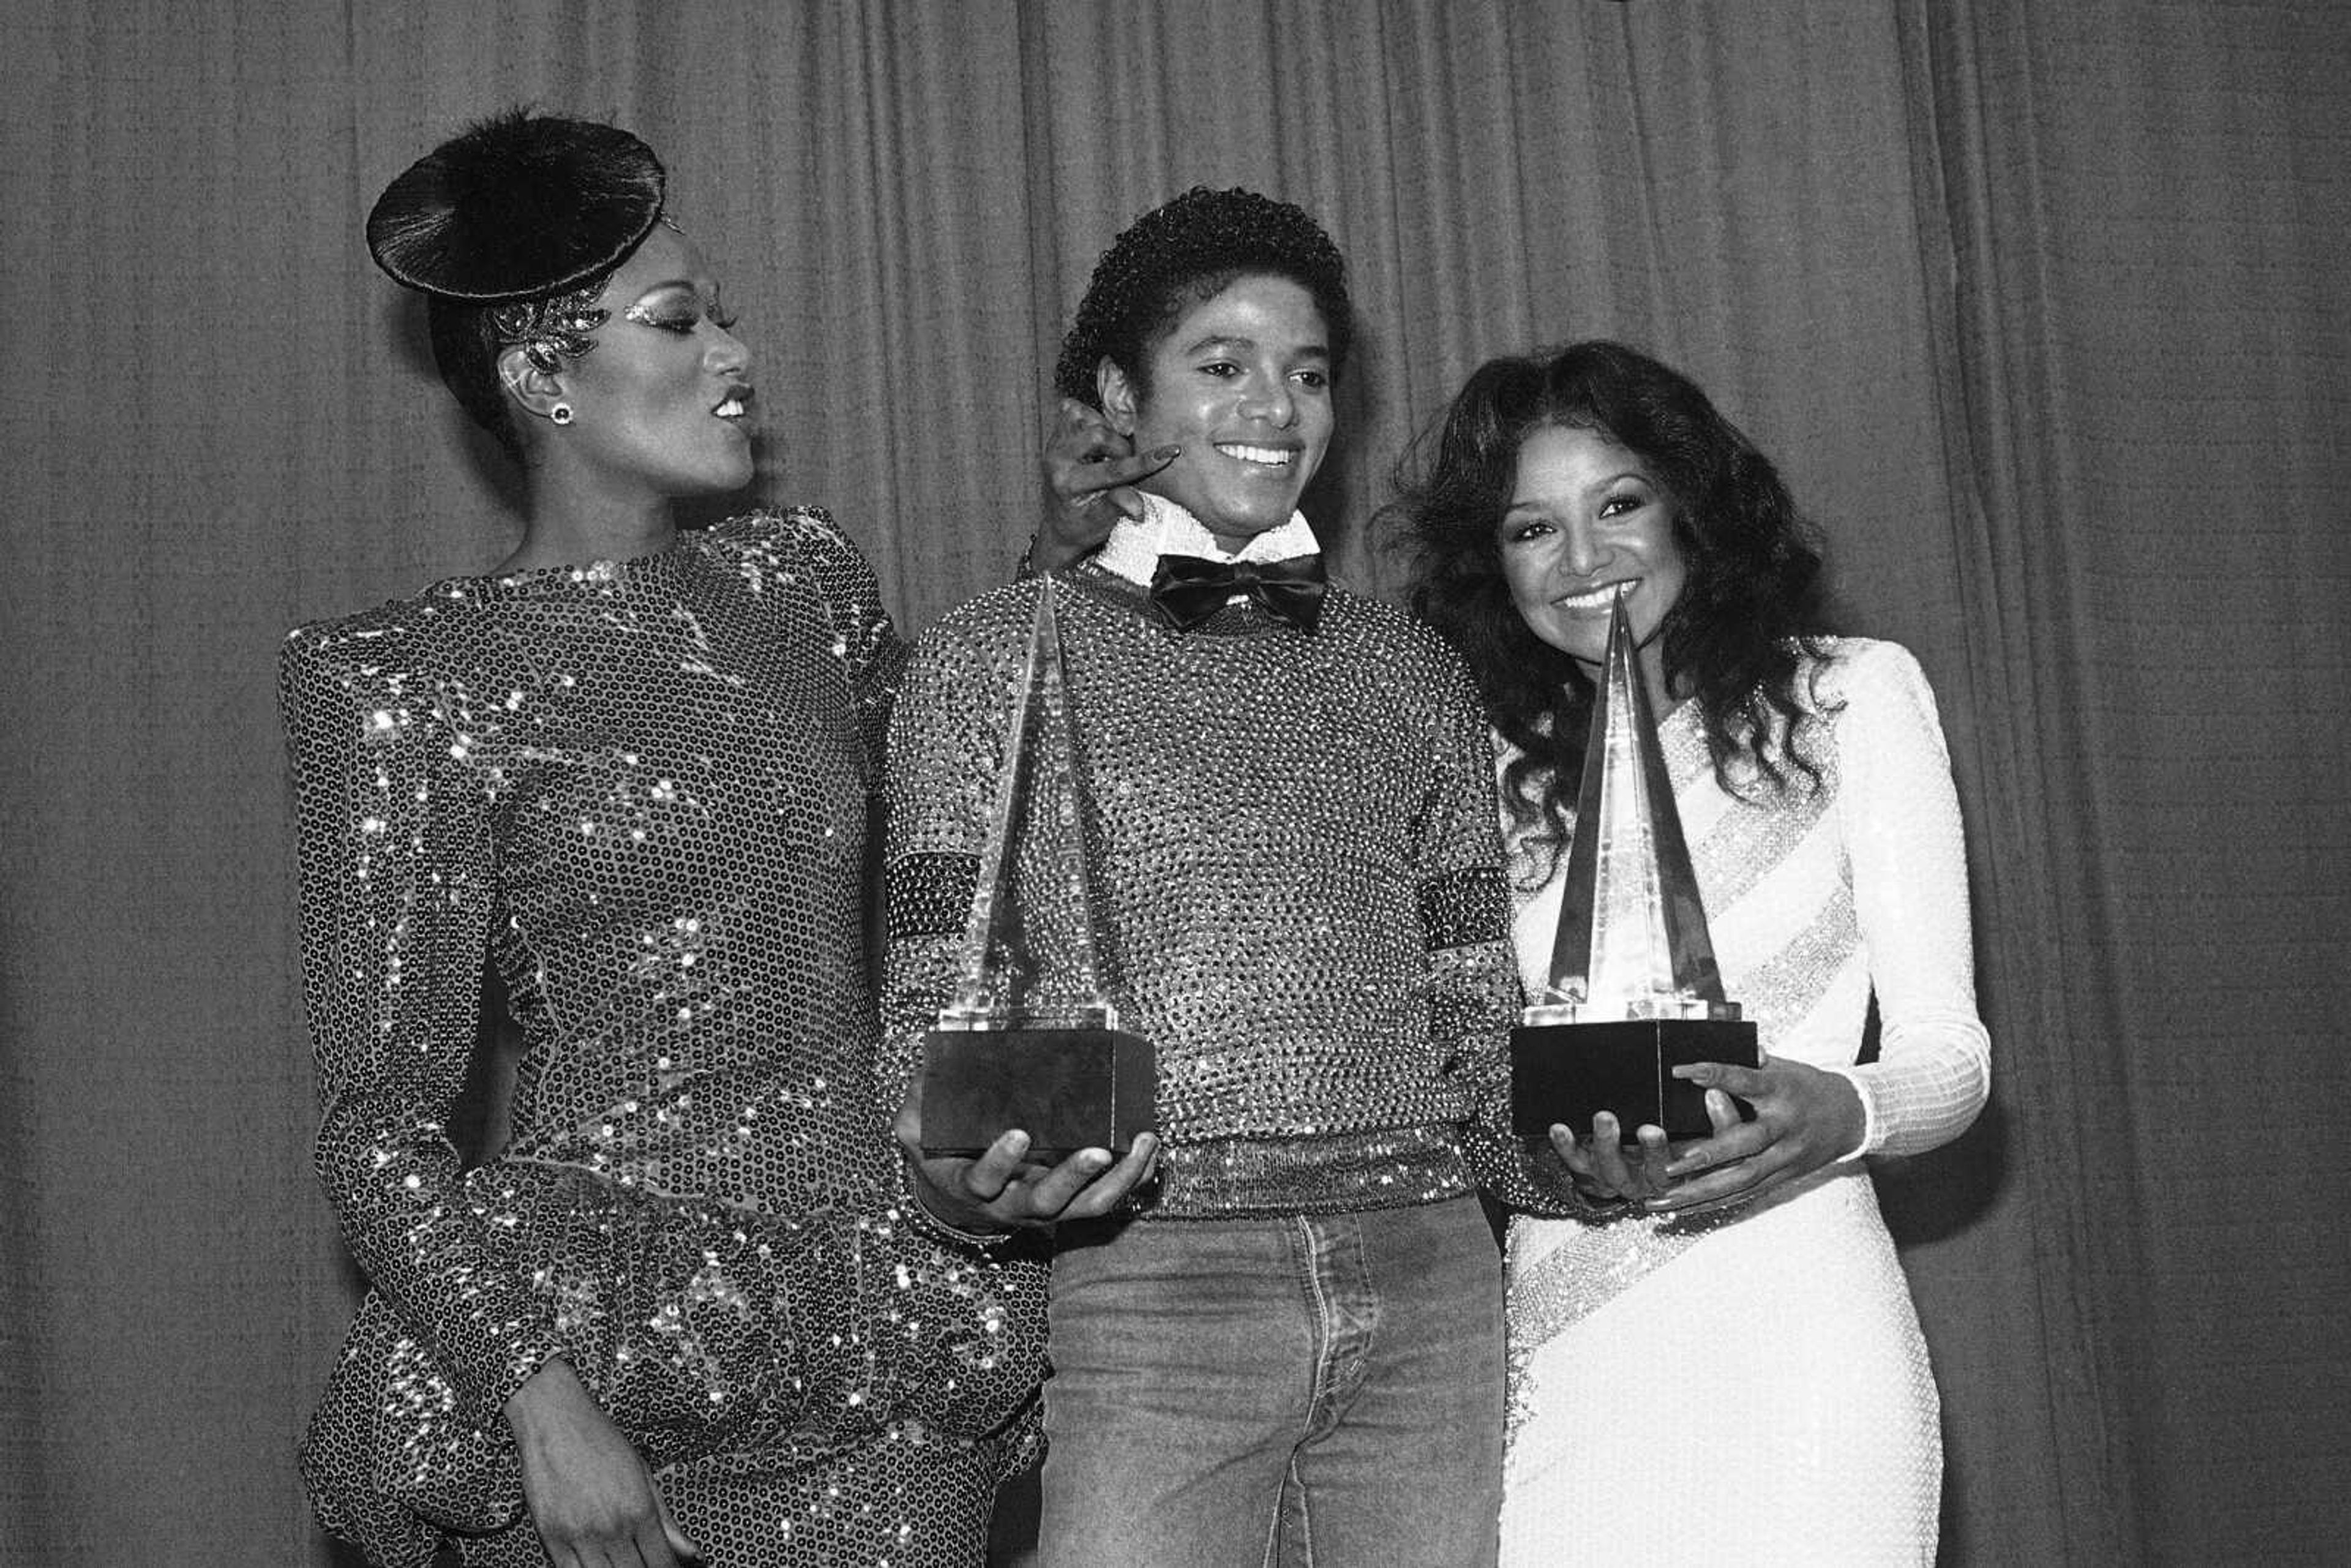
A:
[527,214]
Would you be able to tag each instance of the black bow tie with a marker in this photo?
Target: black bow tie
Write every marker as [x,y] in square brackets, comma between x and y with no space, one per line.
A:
[1188,588]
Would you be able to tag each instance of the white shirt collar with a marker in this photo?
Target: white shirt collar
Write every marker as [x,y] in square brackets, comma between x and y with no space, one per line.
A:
[1135,546]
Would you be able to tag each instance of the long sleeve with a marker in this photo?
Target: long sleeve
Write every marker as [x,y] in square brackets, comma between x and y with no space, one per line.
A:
[946,738]
[1900,819]
[398,895]
[863,636]
[938,799]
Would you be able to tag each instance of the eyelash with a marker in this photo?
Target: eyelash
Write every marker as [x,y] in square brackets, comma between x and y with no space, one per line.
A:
[1610,509]
[1223,370]
[684,326]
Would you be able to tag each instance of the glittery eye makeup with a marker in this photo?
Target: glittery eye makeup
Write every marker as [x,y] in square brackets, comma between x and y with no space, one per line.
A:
[676,308]
[669,308]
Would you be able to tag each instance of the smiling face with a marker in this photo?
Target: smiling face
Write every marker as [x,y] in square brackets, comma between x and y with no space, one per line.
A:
[1242,382]
[659,404]
[1585,517]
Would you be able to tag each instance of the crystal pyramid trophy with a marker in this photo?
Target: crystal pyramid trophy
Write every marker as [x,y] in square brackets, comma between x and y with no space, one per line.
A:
[1030,1041]
[1633,990]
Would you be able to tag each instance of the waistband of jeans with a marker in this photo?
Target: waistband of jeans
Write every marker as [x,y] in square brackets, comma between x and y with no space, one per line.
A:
[1329,1173]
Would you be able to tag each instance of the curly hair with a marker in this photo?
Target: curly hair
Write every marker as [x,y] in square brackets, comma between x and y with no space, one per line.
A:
[1735,639]
[1188,250]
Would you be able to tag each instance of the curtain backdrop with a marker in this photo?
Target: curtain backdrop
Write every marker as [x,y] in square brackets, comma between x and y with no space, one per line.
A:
[2040,306]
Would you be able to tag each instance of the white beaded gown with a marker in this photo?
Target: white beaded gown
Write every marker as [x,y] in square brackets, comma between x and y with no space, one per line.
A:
[1755,1389]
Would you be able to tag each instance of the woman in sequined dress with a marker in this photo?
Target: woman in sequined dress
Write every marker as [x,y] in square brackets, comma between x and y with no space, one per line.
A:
[685,1312]
[1739,1330]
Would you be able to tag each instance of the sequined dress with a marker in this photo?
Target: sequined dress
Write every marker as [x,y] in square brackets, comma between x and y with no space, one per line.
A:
[641,788]
[1758,1388]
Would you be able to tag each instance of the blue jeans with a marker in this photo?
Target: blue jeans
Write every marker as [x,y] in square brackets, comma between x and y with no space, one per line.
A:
[1313,1391]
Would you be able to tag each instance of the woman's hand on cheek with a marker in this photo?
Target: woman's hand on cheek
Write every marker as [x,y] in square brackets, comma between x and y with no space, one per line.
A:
[1092,471]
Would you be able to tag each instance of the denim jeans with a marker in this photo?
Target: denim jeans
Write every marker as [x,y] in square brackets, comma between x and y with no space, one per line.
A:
[1314,1391]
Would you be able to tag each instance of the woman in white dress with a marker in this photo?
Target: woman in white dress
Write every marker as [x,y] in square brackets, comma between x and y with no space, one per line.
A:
[1727,1367]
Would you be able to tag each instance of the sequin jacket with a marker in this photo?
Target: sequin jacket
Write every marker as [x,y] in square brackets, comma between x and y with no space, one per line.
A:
[1296,895]
[641,788]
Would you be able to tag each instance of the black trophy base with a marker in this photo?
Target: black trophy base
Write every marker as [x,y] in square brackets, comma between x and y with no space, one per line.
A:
[1068,1089]
[1570,1072]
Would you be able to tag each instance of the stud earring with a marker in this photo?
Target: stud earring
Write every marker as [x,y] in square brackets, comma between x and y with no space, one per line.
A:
[561,413]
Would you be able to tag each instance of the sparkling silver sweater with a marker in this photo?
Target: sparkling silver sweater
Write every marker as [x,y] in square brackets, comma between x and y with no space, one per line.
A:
[1296,894]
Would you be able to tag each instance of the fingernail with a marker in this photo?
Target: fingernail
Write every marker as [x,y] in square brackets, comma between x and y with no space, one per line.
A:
[1168,453]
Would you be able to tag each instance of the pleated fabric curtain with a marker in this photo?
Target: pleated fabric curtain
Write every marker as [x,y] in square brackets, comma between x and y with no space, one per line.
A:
[2041,309]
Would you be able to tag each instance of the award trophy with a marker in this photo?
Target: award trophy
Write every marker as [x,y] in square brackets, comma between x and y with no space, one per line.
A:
[1019,1047]
[1632,990]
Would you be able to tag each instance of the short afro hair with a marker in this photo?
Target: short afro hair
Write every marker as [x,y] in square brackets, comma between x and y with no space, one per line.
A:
[1188,250]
